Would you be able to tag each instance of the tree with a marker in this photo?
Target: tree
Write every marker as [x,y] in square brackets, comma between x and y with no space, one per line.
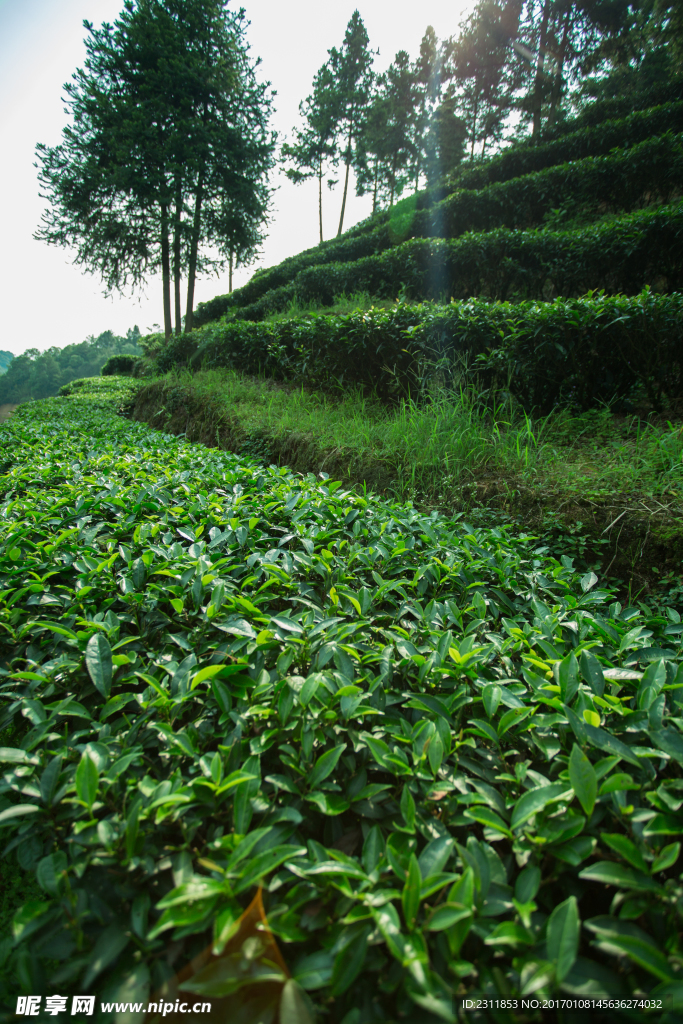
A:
[446,138]
[352,75]
[560,40]
[387,136]
[399,128]
[426,90]
[373,149]
[479,62]
[169,149]
[316,142]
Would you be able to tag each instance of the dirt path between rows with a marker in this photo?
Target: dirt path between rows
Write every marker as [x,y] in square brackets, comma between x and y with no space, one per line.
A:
[7,410]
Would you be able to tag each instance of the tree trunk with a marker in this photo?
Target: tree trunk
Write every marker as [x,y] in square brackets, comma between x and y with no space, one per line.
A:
[176,255]
[230,274]
[320,197]
[374,190]
[194,248]
[418,147]
[393,181]
[538,83]
[474,124]
[166,271]
[346,186]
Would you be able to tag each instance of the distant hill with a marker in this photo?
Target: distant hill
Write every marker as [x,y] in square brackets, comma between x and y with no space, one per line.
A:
[5,359]
[35,374]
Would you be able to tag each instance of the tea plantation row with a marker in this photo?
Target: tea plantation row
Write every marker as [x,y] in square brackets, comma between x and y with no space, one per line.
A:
[577,352]
[593,140]
[623,255]
[650,170]
[453,764]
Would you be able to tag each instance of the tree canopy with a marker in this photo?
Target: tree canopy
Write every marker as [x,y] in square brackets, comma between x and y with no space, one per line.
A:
[165,164]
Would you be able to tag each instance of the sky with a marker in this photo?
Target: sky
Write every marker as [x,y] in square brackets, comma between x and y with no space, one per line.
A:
[46,300]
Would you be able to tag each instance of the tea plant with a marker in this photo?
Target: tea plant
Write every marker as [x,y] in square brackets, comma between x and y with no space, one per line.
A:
[452,763]
[577,352]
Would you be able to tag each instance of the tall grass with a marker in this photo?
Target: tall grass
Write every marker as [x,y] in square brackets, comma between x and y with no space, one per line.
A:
[435,450]
[341,304]
[434,447]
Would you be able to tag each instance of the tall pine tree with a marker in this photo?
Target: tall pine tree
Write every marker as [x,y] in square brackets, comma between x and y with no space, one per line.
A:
[315,145]
[351,67]
[168,150]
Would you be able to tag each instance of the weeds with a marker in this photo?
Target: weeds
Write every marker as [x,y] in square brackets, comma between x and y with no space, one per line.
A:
[455,437]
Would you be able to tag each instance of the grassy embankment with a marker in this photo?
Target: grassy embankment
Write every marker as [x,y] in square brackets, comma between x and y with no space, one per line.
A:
[613,479]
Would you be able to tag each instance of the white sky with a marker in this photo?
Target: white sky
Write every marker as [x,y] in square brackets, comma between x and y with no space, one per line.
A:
[45,300]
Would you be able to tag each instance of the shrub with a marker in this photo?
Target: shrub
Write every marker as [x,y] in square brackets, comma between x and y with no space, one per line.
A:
[450,764]
[117,366]
[176,352]
[579,351]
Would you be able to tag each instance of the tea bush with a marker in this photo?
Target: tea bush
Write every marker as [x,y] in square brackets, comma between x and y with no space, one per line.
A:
[648,172]
[117,365]
[593,140]
[452,762]
[579,352]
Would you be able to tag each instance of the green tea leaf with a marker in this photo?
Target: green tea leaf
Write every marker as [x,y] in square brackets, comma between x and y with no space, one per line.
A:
[410,897]
[325,765]
[564,926]
[348,963]
[666,858]
[583,779]
[534,801]
[98,661]
[87,780]
[294,1007]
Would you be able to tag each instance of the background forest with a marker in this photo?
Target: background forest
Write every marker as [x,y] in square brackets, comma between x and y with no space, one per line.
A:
[36,374]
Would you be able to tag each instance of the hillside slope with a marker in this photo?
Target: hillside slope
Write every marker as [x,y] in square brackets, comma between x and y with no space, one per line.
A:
[616,166]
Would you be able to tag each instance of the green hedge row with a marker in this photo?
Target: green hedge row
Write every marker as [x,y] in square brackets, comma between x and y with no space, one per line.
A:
[620,181]
[579,352]
[645,248]
[649,171]
[349,248]
[598,111]
[595,140]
